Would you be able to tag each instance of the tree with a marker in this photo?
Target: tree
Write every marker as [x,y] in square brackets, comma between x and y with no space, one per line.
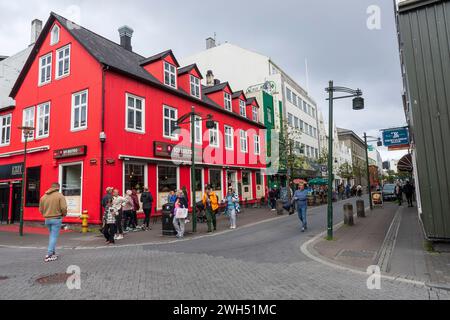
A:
[346,171]
[290,149]
[323,157]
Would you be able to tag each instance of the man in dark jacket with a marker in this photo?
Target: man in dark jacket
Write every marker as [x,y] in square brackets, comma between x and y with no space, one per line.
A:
[147,205]
[409,191]
[107,196]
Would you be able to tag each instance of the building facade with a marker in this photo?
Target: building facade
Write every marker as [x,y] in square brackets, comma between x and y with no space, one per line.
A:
[358,150]
[246,69]
[106,116]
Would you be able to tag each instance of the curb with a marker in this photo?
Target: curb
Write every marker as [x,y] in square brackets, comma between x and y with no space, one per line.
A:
[316,257]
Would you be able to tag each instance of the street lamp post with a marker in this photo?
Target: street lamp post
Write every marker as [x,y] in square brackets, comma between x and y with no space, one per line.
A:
[378,140]
[209,125]
[27,131]
[358,104]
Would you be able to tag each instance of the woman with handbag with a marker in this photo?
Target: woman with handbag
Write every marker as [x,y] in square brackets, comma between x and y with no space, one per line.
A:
[180,214]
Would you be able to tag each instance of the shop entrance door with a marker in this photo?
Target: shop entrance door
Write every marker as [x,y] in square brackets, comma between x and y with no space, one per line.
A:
[232,180]
[4,203]
[247,192]
[16,201]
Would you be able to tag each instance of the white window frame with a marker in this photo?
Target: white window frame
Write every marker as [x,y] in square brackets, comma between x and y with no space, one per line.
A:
[243,139]
[60,169]
[172,72]
[72,116]
[57,76]
[28,122]
[43,116]
[135,111]
[212,133]
[47,67]
[242,108]
[228,102]
[255,114]
[195,86]
[257,145]
[54,41]
[6,128]
[172,136]
[198,135]
[229,137]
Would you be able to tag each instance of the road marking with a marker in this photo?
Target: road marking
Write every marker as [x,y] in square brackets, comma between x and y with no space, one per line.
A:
[306,252]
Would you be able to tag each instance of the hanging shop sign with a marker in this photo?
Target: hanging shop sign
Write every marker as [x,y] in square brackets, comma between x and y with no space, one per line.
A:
[70,152]
[396,138]
[11,171]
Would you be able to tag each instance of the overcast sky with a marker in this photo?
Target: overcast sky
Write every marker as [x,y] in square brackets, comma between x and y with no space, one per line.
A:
[332,35]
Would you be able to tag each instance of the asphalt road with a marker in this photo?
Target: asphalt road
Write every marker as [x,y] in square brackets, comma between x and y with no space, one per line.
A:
[277,241]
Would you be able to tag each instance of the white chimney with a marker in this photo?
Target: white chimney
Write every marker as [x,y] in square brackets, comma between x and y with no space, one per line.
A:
[210,43]
[36,28]
[209,78]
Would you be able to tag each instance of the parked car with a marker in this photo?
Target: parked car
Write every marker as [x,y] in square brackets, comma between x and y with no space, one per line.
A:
[389,192]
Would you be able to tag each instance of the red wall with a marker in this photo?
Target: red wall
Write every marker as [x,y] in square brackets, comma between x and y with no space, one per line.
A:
[85,73]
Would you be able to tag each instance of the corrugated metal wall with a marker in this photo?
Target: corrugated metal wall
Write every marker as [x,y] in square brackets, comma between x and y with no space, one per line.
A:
[425,45]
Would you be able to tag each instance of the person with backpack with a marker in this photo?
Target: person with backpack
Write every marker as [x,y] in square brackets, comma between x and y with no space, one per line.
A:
[409,191]
[147,205]
[128,208]
[118,202]
[109,221]
[231,200]
[210,201]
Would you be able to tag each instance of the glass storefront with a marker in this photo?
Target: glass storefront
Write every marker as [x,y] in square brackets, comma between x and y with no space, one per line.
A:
[215,180]
[134,177]
[70,179]
[167,181]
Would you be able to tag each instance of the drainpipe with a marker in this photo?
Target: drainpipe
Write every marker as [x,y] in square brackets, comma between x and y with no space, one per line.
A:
[102,140]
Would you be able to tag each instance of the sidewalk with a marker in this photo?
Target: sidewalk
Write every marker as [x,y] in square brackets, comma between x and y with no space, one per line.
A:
[390,237]
[37,237]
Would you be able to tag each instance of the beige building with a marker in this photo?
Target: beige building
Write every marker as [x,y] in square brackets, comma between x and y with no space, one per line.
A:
[357,147]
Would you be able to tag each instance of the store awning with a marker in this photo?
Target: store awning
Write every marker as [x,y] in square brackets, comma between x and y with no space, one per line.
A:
[405,164]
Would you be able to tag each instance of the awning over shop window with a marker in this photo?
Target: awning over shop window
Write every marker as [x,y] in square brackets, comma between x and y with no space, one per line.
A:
[405,164]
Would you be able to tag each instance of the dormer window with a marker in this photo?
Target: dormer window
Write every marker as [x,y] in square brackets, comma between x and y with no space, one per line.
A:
[255,114]
[170,75]
[54,37]
[195,86]
[227,101]
[242,108]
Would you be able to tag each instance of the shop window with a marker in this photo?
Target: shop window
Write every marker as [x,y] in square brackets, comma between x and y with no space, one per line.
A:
[32,192]
[167,179]
[245,178]
[198,180]
[258,178]
[215,179]
[71,186]
[134,176]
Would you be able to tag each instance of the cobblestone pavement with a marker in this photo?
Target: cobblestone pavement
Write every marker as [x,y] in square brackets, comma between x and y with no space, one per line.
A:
[221,267]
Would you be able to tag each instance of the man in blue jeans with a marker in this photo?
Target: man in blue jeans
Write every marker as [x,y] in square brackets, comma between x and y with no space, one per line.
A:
[53,207]
[301,199]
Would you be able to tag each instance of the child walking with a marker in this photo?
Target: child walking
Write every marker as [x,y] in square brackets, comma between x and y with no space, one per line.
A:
[109,221]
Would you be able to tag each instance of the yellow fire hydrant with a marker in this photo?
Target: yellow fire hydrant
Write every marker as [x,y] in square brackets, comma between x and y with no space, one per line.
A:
[84,221]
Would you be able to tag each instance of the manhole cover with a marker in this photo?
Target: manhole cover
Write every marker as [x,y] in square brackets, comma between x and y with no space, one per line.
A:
[357,254]
[3,278]
[56,278]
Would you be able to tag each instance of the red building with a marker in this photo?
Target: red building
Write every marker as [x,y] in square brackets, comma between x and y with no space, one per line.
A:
[103,116]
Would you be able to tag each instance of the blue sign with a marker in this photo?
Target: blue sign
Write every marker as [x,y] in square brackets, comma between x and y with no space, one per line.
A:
[396,137]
